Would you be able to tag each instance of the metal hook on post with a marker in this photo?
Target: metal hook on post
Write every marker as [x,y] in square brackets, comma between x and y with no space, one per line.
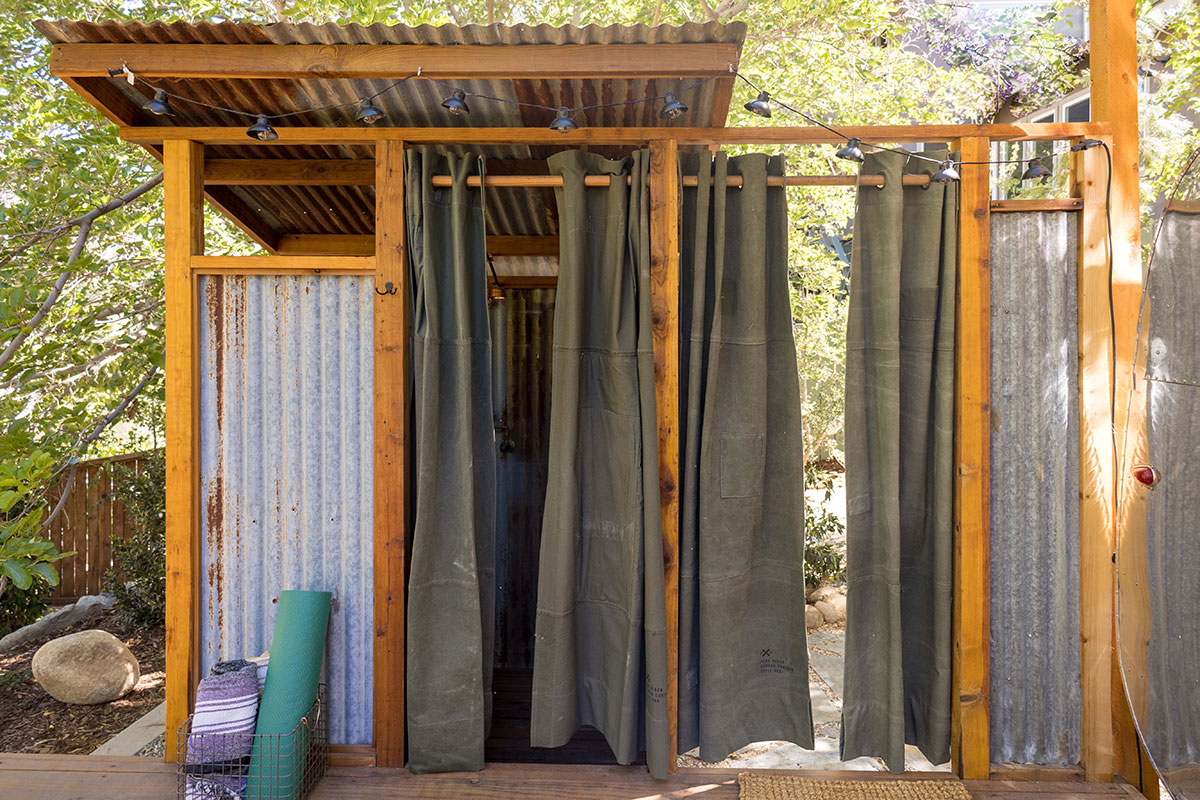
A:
[388,288]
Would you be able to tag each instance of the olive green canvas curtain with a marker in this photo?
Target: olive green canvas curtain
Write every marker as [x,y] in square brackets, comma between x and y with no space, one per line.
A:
[743,662]
[451,595]
[600,637]
[899,466]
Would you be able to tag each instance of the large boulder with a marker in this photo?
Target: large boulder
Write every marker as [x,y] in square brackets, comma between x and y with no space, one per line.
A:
[86,668]
[833,607]
[813,618]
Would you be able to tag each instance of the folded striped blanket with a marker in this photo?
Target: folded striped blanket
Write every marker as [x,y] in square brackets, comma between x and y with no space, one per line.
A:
[221,737]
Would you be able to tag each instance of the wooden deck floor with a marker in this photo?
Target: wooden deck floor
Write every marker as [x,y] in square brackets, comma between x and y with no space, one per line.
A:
[34,777]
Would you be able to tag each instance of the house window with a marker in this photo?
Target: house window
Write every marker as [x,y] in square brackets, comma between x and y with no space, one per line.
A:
[1080,111]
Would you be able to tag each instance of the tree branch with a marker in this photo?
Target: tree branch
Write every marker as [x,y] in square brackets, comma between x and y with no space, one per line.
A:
[92,436]
[85,227]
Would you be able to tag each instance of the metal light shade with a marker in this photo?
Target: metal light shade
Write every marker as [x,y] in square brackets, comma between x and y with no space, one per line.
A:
[851,151]
[262,130]
[672,108]
[456,103]
[947,173]
[563,122]
[160,106]
[1035,170]
[495,294]
[760,105]
[368,113]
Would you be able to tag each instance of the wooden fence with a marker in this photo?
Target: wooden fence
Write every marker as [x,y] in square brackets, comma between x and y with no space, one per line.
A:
[89,522]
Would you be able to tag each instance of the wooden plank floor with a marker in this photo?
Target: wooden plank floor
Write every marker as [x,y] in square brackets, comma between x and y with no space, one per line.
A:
[38,777]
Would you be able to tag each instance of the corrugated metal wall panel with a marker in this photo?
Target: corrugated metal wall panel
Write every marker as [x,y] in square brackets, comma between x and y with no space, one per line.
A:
[522,350]
[285,470]
[1173,509]
[1035,683]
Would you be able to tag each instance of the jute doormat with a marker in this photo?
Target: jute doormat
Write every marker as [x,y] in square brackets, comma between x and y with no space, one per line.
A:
[758,786]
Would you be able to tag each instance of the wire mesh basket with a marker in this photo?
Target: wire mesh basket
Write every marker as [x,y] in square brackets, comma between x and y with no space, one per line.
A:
[285,766]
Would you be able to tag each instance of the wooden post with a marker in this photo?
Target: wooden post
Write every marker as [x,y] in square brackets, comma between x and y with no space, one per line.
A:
[972,479]
[1110,742]
[1097,467]
[183,205]
[391,382]
[664,291]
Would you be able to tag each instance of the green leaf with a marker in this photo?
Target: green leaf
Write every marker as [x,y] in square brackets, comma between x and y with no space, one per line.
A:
[18,573]
[47,571]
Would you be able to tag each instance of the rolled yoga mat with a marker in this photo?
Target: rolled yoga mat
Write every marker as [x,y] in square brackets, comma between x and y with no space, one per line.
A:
[297,650]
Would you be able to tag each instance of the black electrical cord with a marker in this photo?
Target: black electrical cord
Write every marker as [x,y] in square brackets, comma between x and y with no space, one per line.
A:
[117,72]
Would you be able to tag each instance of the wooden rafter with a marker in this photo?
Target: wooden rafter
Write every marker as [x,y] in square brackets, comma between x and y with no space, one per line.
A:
[308,61]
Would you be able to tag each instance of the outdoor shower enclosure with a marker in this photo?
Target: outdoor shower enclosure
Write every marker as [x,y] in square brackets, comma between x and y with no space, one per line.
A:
[326,203]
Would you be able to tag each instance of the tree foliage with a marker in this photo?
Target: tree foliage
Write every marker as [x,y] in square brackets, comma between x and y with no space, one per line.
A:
[849,61]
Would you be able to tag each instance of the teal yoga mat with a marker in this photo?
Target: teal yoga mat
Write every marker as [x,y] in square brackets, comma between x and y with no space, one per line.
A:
[294,671]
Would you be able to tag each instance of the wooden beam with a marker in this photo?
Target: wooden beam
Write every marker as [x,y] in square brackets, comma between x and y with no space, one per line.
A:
[631,136]
[1055,204]
[183,206]
[1097,461]
[972,477]
[359,61]
[528,281]
[664,302]
[285,264]
[544,246]
[361,172]
[287,171]
[342,244]
[393,366]
[1114,66]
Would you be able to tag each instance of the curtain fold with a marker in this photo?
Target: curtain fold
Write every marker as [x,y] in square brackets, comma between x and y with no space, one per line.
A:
[899,456]
[600,641]
[451,600]
[743,653]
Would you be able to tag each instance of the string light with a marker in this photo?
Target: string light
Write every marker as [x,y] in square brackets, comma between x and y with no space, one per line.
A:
[368,113]
[160,106]
[760,105]
[456,103]
[1035,170]
[262,130]
[672,108]
[851,151]
[564,120]
[946,173]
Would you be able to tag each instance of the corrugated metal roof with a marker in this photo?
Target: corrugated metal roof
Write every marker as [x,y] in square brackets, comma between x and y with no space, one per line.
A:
[416,103]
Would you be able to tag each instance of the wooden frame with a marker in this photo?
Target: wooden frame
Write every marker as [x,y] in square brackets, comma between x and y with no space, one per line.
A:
[970,697]
[391,472]
[664,313]
[970,754]
[183,207]
[1107,728]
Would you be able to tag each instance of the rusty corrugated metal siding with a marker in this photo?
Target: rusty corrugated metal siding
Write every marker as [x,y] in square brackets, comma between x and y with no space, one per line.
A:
[1035,672]
[285,471]
[522,349]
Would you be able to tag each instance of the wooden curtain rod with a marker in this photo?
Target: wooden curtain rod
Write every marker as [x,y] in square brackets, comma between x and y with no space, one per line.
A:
[688,180]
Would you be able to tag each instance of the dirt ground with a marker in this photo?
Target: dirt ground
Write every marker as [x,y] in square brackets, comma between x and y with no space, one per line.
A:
[31,721]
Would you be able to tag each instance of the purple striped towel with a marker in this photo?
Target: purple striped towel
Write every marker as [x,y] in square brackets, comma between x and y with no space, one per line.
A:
[222,733]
